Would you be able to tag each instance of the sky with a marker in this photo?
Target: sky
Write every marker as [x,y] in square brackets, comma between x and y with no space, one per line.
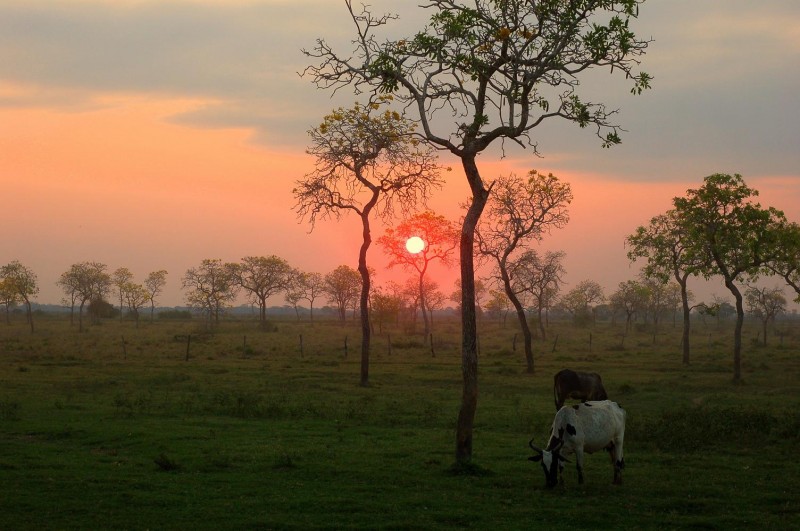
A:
[154,134]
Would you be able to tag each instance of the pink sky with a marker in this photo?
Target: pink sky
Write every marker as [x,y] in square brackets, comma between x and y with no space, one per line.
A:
[158,166]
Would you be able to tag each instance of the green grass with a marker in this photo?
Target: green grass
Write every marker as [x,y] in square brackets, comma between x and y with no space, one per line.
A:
[247,434]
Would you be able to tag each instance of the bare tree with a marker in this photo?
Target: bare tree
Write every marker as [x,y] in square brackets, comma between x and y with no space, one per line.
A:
[519,212]
[367,161]
[154,283]
[498,69]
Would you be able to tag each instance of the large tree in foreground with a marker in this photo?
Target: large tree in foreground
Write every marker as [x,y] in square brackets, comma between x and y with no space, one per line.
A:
[734,235]
[520,211]
[480,74]
[367,163]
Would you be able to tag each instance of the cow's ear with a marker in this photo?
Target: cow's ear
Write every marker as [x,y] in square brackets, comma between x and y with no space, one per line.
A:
[535,458]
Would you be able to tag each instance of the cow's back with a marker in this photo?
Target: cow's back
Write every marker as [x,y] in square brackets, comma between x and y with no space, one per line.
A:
[601,421]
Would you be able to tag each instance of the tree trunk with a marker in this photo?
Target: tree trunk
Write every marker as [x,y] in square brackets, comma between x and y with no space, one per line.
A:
[366,330]
[30,318]
[737,333]
[422,303]
[523,320]
[687,322]
[469,324]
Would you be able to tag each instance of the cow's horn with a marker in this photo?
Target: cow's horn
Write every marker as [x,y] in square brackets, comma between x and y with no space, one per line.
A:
[534,447]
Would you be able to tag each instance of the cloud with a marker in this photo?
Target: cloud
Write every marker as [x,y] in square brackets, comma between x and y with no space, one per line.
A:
[724,90]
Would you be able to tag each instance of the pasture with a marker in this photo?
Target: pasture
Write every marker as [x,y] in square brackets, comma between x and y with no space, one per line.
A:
[248,434]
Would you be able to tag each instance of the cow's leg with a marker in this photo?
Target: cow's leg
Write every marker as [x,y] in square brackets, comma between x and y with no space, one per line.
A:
[579,463]
[617,460]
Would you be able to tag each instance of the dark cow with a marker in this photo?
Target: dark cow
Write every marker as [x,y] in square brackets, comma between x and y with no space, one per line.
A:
[579,385]
[587,427]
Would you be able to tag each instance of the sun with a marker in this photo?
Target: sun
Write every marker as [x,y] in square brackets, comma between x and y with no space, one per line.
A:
[415,245]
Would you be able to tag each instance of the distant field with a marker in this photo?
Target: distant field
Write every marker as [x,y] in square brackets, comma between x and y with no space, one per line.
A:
[115,429]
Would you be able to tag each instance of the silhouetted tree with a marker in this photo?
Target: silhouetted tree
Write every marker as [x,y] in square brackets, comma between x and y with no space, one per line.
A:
[367,161]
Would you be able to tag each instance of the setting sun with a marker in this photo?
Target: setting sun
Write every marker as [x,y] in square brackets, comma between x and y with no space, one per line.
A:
[415,245]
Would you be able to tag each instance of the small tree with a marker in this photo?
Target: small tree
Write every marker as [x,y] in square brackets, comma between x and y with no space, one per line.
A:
[154,284]
[630,298]
[85,282]
[308,286]
[121,278]
[520,211]
[440,237]
[385,307]
[367,161]
[733,235]
[582,300]
[342,287]
[17,278]
[212,286]
[540,279]
[765,304]
[8,297]
[136,296]
[666,247]
[262,277]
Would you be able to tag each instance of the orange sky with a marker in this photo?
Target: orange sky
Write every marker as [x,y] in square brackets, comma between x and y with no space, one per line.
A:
[184,141]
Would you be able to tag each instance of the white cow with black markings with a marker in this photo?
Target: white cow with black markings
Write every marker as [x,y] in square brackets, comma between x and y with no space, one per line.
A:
[586,427]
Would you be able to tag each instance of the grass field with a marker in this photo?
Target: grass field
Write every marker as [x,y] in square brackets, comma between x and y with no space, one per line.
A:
[97,432]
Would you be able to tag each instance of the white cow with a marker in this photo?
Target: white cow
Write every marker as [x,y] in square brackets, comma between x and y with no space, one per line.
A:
[586,427]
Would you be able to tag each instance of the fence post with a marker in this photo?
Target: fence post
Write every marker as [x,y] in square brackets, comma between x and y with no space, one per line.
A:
[389,342]
[433,353]
[188,343]
[124,349]
[345,347]
[301,345]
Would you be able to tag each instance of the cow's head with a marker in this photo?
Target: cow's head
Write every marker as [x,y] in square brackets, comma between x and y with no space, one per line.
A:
[551,460]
